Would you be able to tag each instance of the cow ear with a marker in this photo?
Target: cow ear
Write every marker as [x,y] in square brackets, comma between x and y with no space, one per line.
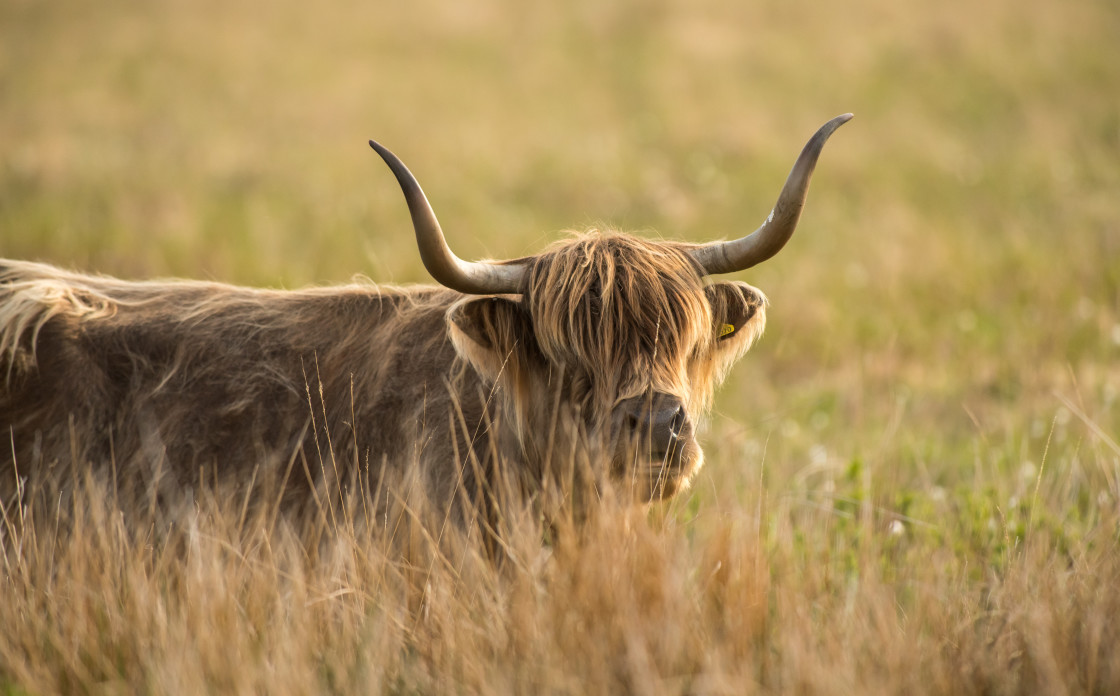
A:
[488,332]
[738,312]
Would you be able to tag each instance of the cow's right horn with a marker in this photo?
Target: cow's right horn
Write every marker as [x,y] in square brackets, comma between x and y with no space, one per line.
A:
[473,278]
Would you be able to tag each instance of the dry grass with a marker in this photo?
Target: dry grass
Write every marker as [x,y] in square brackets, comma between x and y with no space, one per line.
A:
[913,480]
[788,595]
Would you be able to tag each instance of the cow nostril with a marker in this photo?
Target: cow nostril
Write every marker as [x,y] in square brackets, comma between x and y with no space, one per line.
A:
[676,425]
[671,418]
[633,422]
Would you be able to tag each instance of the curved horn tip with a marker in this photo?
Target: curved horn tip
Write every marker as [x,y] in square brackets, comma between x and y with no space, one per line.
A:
[835,123]
[381,149]
[828,129]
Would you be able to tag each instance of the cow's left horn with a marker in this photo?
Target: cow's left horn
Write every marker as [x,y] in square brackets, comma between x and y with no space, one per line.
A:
[474,278]
[767,240]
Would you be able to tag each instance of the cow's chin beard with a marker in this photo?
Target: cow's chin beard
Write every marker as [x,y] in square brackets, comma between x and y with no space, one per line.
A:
[649,480]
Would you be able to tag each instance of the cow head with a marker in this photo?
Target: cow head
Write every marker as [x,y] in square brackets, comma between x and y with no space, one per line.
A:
[606,347]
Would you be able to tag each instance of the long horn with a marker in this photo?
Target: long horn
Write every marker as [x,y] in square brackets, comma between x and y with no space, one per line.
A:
[767,240]
[473,278]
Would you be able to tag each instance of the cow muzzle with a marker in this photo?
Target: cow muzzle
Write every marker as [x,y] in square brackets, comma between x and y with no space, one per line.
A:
[657,448]
[656,422]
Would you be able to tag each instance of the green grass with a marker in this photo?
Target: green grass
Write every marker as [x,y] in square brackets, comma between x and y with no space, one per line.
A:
[913,480]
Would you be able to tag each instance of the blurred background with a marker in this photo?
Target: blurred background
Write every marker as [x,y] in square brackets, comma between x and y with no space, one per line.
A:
[949,305]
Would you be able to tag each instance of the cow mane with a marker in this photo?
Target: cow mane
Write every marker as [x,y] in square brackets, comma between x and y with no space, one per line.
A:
[32,294]
[624,309]
[192,313]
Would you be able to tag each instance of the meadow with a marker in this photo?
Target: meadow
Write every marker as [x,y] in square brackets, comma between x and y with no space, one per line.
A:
[912,481]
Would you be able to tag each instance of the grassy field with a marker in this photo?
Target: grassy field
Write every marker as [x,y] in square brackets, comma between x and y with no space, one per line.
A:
[913,480]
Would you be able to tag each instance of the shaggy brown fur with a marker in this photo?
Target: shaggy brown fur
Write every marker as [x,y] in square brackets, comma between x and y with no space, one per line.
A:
[169,385]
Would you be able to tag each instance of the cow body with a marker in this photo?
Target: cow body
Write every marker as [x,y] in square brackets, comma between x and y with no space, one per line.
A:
[176,384]
[195,382]
[587,363]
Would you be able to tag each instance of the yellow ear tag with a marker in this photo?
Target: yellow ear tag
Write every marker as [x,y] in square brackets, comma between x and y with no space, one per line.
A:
[727,329]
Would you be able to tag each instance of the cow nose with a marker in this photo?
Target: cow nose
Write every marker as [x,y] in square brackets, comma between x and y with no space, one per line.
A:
[656,420]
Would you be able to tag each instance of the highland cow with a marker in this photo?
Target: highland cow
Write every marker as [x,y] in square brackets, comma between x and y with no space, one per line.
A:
[603,349]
